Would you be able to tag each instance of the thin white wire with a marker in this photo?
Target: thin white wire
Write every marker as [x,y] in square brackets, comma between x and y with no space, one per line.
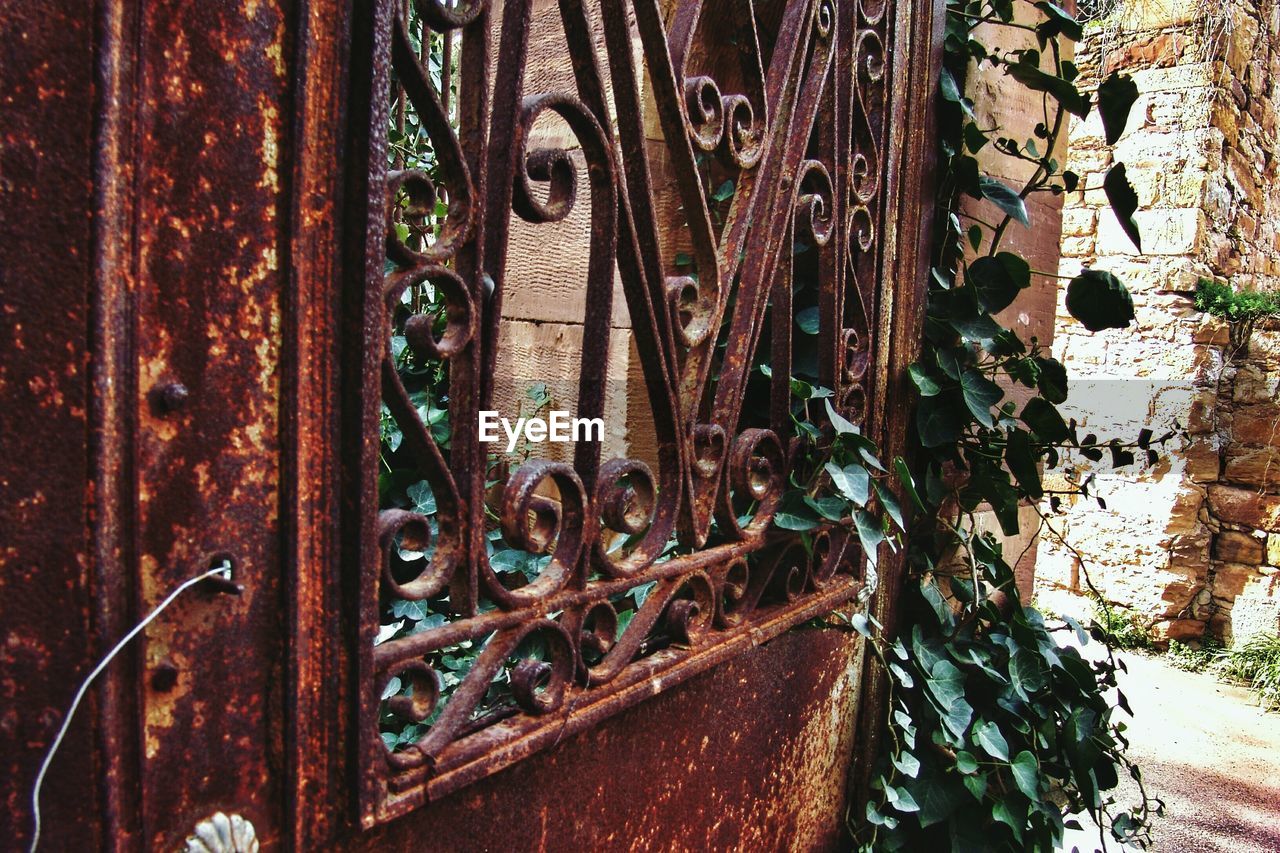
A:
[223,569]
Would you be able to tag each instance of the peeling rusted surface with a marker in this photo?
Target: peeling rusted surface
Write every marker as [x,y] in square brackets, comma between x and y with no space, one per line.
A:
[211,220]
[750,756]
[46,157]
[191,358]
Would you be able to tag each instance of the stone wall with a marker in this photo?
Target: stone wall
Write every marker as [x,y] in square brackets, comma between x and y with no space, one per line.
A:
[1184,540]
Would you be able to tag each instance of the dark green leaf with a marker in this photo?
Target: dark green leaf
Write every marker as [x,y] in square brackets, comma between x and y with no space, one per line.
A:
[991,739]
[997,280]
[1059,21]
[1124,201]
[974,138]
[1053,380]
[939,419]
[908,482]
[1004,198]
[890,503]
[1116,96]
[966,763]
[1099,301]
[791,521]
[1026,774]
[1022,462]
[980,394]
[1043,419]
[924,383]
[1063,92]
[807,320]
[870,534]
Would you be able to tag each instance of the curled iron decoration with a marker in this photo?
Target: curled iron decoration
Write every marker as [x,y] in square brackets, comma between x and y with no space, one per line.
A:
[634,575]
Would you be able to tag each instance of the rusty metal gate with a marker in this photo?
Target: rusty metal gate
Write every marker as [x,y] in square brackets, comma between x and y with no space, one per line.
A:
[263,267]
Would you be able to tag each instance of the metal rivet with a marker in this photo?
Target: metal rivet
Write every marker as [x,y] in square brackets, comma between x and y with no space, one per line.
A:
[164,677]
[173,396]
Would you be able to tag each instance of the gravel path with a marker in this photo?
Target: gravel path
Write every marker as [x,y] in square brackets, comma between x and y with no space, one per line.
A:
[1210,753]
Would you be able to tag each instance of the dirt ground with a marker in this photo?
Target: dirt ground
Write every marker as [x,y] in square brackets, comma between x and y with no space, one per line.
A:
[1210,753]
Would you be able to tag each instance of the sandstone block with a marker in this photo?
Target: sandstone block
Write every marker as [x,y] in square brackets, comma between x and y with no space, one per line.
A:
[1202,461]
[1231,546]
[1258,467]
[1183,630]
[1242,506]
[1251,385]
[1257,425]
[1164,232]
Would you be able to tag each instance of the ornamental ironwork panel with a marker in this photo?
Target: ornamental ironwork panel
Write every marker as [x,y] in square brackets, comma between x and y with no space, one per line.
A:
[729,155]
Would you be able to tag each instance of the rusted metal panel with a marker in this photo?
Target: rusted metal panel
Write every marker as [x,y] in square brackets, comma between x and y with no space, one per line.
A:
[212,139]
[46,161]
[749,756]
[802,131]
[220,304]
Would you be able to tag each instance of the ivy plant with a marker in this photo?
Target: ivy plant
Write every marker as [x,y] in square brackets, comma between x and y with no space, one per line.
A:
[1000,735]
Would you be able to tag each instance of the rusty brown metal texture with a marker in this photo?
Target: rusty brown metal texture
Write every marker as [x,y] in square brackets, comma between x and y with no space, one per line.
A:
[46,167]
[197,287]
[801,128]
[752,755]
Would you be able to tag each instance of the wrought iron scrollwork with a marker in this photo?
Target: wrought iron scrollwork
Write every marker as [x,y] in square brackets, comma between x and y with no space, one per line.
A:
[781,102]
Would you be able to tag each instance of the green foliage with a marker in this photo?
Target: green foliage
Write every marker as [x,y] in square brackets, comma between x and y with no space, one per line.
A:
[1219,299]
[1255,662]
[1194,658]
[998,732]
[1121,628]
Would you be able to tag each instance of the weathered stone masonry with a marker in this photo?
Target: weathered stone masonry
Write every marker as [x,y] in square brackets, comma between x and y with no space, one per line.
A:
[1193,543]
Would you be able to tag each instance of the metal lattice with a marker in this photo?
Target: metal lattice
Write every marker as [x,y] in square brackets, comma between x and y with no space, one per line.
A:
[785,100]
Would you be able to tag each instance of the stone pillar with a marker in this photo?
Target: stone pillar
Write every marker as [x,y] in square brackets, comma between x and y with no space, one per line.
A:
[1200,150]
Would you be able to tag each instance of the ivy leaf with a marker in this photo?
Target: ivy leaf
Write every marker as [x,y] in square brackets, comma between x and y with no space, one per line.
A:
[1116,97]
[1123,200]
[852,481]
[869,534]
[792,521]
[424,500]
[1004,198]
[925,384]
[830,507]
[1052,383]
[974,138]
[807,320]
[977,786]
[966,763]
[908,765]
[950,88]
[938,419]
[1025,673]
[1026,774]
[991,739]
[1063,92]
[980,394]
[1059,21]
[841,424]
[1022,463]
[890,503]
[908,482]
[998,280]
[723,191]
[946,684]
[1099,301]
[1044,420]
[938,798]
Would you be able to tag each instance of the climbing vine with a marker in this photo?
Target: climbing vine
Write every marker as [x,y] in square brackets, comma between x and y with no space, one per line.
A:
[1000,735]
